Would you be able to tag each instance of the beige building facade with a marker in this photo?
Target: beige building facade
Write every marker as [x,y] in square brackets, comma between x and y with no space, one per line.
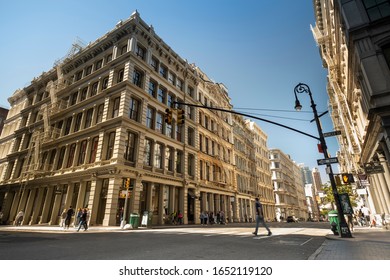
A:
[79,131]
[288,186]
[354,41]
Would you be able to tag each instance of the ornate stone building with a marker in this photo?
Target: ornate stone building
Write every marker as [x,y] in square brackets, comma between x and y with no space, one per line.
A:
[77,133]
[289,187]
[264,188]
[354,41]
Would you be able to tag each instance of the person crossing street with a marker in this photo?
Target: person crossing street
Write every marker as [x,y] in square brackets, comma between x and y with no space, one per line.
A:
[260,217]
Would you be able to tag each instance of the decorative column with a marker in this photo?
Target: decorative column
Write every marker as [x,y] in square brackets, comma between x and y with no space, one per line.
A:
[375,194]
[161,211]
[112,201]
[136,195]
[383,194]
[46,205]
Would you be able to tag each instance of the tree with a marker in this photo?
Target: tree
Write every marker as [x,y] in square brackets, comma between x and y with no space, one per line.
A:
[329,197]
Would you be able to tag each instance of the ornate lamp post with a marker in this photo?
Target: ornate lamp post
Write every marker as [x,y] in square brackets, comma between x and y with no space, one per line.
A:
[300,88]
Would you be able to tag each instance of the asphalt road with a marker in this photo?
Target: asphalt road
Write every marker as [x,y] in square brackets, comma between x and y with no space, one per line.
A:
[289,242]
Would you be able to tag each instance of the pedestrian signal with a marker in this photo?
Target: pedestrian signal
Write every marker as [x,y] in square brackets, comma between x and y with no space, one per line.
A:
[168,116]
[347,178]
[180,116]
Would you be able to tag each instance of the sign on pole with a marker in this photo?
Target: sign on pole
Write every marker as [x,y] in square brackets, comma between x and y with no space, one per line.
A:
[327,161]
[372,168]
[332,133]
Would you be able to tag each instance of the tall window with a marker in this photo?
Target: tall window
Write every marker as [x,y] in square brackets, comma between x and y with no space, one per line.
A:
[191,136]
[61,158]
[120,75]
[168,130]
[179,161]
[88,70]
[163,71]
[161,95]
[79,75]
[83,152]
[105,83]
[191,92]
[94,88]
[51,159]
[179,84]
[140,52]
[72,150]
[108,58]
[73,99]
[84,92]
[152,88]
[88,118]
[191,165]
[158,156]
[110,145]
[77,124]
[115,109]
[148,152]
[170,100]
[169,158]
[150,118]
[123,49]
[137,78]
[178,133]
[154,63]
[130,146]
[201,170]
[171,78]
[94,148]
[99,64]
[159,122]
[68,125]
[133,109]
[99,115]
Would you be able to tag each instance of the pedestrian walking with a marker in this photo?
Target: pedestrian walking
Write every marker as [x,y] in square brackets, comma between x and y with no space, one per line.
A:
[222,217]
[69,214]
[63,217]
[180,217]
[260,218]
[19,218]
[83,220]
[78,217]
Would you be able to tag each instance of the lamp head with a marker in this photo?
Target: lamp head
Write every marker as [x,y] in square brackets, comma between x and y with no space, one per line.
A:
[298,105]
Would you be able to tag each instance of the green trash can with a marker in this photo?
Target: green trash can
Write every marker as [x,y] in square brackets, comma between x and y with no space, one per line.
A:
[134,220]
[334,222]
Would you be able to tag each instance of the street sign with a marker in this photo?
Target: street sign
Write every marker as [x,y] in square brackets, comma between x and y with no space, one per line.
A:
[373,168]
[332,133]
[327,161]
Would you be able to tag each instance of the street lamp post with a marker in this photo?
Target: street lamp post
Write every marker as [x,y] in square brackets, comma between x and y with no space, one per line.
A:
[345,231]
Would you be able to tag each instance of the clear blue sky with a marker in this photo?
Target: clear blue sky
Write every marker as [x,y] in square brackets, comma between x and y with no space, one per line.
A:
[259,49]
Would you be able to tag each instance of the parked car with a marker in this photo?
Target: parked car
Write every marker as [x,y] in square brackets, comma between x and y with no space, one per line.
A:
[292,219]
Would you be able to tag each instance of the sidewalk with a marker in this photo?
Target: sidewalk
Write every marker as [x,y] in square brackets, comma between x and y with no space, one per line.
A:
[366,244]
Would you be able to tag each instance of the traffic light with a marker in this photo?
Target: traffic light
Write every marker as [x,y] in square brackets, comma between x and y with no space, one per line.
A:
[127,183]
[168,116]
[180,116]
[347,178]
